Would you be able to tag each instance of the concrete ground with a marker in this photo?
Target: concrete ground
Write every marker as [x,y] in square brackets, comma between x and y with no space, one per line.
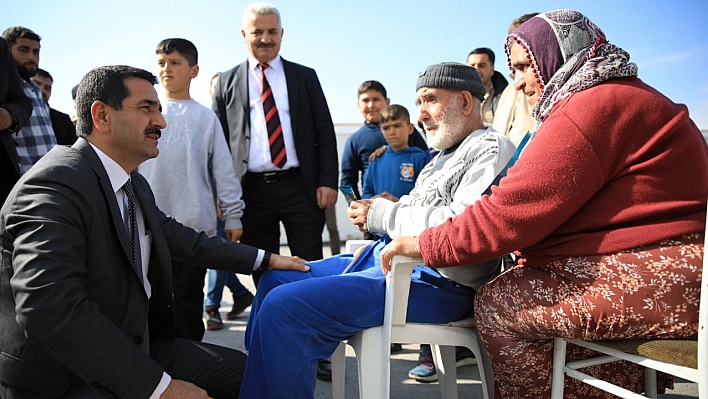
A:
[402,387]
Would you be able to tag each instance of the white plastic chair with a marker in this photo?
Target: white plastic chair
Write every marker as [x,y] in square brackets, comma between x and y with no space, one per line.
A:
[687,359]
[352,245]
[373,346]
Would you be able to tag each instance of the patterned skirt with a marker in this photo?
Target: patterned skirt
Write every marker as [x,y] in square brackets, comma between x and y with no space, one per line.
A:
[644,293]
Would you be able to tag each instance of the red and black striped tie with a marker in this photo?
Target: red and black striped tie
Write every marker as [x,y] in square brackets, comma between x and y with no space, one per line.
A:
[275,130]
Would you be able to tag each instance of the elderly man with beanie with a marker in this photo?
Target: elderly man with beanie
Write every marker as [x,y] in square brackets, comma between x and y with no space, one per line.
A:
[298,318]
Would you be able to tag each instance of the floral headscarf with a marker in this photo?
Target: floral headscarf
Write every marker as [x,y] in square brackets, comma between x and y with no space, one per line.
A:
[569,54]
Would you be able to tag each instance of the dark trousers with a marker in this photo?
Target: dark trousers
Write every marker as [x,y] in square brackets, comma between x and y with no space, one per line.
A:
[272,201]
[188,287]
[216,369]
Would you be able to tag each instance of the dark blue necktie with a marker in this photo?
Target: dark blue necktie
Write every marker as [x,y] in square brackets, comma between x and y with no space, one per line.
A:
[135,244]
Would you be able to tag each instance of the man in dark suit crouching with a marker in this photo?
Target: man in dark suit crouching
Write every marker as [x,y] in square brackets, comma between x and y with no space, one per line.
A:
[86,306]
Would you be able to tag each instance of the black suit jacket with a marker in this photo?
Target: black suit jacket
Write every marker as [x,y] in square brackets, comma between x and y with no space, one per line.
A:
[313,131]
[12,98]
[63,127]
[71,303]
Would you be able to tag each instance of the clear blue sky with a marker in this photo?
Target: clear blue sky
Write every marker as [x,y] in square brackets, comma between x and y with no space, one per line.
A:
[348,42]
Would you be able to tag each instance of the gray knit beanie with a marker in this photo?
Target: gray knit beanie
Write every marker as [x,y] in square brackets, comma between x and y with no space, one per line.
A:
[453,76]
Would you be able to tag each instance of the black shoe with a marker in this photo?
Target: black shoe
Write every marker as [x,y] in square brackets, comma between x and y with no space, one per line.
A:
[324,370]
[396,348]
[240,304]
[213,318]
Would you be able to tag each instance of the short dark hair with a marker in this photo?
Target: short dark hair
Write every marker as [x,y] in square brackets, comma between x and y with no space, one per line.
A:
[107,85]
[519,21]
[73,92]
[13,33]
[183,46]
[483,50]
[394,112]
[44,74]
[372,85]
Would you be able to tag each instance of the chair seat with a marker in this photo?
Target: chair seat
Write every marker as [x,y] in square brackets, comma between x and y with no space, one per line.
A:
[674,351]
[372,346]
[468,322]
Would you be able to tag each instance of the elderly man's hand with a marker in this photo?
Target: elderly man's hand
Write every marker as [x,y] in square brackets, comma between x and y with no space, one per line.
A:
[279,262]
[358,214]
[406,246]
[179,389]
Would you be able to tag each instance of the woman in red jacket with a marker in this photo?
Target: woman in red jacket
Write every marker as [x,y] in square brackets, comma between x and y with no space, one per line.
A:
[606,208]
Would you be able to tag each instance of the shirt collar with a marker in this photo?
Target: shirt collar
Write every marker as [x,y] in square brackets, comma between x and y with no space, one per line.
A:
[276,63]
[115,172]
[34,86]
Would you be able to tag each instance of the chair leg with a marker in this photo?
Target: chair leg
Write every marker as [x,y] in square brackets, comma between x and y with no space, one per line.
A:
[445,365]
[338,360]
[650,389]
[373,354]
[486,371]
[558,375]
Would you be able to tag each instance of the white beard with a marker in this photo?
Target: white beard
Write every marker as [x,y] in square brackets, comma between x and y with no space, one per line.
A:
[450,129]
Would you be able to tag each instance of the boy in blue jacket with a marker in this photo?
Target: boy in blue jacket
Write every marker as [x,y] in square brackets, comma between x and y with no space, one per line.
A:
[393,174]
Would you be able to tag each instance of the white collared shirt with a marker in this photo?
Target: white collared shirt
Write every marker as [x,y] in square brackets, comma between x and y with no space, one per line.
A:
[259,159]
[118,177]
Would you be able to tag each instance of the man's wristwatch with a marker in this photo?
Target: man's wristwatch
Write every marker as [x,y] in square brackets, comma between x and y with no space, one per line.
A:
[265,263]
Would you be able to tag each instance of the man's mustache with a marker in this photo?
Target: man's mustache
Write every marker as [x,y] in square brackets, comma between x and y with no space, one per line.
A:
[427,125]
[266,45]
[153,130]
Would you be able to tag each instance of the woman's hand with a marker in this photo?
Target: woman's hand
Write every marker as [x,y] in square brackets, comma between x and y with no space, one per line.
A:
[406,246]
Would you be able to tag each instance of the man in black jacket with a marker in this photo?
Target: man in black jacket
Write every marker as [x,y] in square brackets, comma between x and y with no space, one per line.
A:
[64,128]
[482,59]
[15,110]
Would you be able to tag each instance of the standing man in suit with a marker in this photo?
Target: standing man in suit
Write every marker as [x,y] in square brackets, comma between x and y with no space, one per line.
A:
[15,111]
[63,127]
[86,306]
[286,154]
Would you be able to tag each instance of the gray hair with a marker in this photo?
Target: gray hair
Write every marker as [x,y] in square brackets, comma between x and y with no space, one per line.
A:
[259,8]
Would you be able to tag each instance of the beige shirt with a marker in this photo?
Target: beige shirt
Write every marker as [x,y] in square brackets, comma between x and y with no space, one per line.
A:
[513,117]
[487,110]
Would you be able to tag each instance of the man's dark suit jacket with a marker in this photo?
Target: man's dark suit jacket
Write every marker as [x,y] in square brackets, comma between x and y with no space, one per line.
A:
[71,303]
[313,131]
[63,127]
[12,98]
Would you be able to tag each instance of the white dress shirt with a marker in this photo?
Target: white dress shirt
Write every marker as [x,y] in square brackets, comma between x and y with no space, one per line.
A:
[259,159]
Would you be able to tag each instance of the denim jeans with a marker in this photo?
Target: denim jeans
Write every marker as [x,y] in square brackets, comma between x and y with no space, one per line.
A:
[219,278]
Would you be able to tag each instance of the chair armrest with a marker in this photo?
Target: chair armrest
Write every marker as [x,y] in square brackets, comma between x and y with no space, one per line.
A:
[398,283]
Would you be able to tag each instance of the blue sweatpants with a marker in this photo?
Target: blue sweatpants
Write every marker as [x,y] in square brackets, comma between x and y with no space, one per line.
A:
[297,318]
